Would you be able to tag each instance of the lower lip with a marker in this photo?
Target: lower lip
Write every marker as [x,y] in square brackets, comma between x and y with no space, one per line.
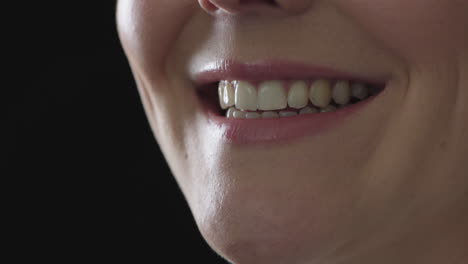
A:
[279,129]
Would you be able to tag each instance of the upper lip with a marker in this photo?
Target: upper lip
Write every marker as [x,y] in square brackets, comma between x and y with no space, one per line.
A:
[271,70]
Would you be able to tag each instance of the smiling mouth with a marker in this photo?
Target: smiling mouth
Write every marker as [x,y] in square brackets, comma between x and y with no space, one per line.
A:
[278,100]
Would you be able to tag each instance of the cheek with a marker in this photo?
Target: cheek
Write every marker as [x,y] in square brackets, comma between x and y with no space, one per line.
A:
[149,28]
[149,31]
[416,29]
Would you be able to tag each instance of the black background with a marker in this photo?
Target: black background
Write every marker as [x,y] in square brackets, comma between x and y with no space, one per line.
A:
[78,145]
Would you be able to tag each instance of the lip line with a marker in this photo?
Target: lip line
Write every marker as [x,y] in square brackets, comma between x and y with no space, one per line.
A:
[272,70]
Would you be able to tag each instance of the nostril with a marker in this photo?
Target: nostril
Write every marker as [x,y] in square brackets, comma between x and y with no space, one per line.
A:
[207,5]
[272,2]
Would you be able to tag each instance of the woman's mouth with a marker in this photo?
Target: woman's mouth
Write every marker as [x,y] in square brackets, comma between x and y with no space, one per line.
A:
[245,104]
[280,99]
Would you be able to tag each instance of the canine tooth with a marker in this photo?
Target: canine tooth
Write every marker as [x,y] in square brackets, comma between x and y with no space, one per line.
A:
[226,94]
[245,96]
[270,115]
[329,108]
[308,110]
[341,92]
[238,114]
[360,91]
[230,112]
[287,113]
[320,93]
[298,95]
[271,96]
[252,115]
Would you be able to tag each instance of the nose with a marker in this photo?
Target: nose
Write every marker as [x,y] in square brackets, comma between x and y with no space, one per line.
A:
[238,6]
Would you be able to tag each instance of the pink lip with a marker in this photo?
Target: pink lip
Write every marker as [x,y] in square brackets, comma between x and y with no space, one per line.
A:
[272,70]
[268,130]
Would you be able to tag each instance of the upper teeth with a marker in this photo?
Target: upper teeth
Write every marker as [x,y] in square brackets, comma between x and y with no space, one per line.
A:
[298,96]
[320,93]
[271,96]
[277,95]
[226,94]
[342,92]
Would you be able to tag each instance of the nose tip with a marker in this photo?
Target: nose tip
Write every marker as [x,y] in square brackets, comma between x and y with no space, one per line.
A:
[238,6]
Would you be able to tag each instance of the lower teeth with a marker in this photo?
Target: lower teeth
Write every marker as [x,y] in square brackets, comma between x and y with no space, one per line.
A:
[240,114]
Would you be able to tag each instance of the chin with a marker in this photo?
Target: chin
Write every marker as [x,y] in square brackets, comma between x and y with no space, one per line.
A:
[253,222]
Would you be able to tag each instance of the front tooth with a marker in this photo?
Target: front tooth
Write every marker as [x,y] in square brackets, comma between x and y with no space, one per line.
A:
[252,115]
[360,91]
[238,114]
[308,110]
[287,113]
[270,115]
[226,94]
[341,92]
[271,96]
[298,95]
[320,93]
[245,96]
[230,112]
[329,108]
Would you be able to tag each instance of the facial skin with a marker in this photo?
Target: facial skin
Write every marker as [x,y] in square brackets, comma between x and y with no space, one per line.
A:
[389,185]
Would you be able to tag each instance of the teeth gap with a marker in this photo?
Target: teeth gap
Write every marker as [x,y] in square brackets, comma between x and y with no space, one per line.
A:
[266,100]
